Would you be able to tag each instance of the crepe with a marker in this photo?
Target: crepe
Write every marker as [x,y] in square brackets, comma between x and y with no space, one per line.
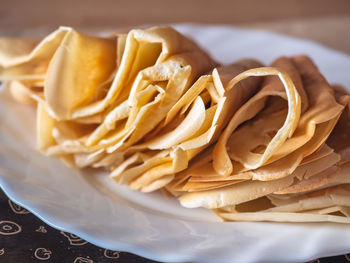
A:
[197,128]
[288,91]
[249,142]
[302,163]
[339,140]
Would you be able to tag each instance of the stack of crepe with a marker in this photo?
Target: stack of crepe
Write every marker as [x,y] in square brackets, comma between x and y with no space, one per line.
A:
[247,141]
[282,157]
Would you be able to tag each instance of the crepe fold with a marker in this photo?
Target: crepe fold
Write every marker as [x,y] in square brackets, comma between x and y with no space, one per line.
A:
[248,141]
[98,97]
[24,62]
[193,123]
[257,159]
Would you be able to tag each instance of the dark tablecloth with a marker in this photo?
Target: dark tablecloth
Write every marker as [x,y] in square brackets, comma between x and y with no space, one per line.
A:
[25,238]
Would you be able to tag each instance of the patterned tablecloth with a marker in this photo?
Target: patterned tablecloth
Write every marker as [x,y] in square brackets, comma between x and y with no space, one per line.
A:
[25,238]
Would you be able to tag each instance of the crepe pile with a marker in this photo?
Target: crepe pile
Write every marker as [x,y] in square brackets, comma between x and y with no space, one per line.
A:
[250,142]
[284,155]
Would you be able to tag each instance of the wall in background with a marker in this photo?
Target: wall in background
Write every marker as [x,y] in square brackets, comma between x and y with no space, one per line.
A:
[325,21]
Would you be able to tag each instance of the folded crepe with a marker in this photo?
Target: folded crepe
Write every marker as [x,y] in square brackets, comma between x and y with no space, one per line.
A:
[24,62]
[183,120]
[339,139]
[201,114]
[90,79]
[299,161]
[330,205]
[319,193]
[100,96]
[252,143]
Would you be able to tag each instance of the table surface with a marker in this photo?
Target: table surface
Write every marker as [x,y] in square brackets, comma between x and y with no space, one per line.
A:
[324,21]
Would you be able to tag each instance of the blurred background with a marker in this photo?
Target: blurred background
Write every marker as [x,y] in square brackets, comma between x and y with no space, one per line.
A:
[324,21]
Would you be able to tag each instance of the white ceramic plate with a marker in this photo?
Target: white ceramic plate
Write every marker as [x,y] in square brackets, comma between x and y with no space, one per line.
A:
[112,216]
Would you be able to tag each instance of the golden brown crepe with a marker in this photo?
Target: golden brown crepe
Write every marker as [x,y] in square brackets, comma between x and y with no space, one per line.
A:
[302,163]
[199,126]
[250,142]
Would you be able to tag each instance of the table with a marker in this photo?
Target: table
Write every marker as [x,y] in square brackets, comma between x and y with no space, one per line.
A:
[25,238]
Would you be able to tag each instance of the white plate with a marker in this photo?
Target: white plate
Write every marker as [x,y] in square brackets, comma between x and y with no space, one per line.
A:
[150,225]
